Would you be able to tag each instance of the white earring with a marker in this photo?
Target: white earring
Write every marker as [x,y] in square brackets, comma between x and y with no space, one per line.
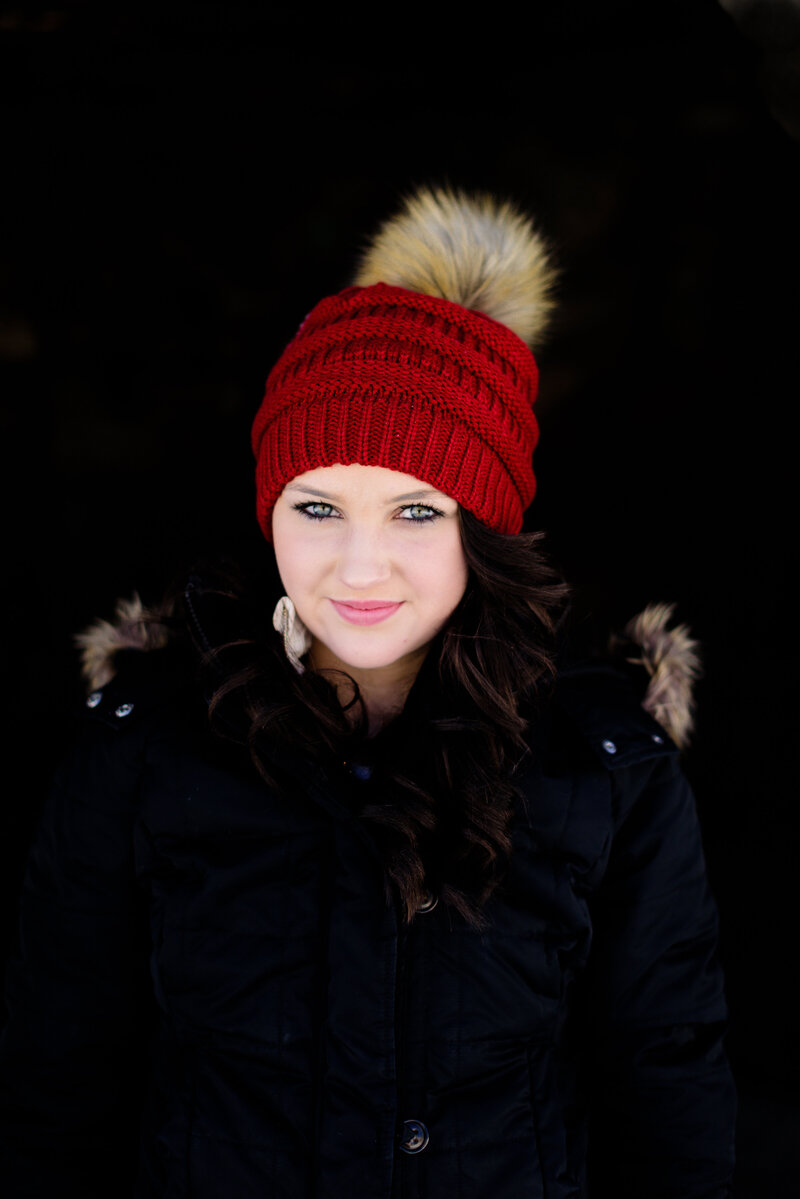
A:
[296,637]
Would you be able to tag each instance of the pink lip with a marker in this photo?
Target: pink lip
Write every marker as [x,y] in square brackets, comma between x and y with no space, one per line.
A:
[365,611]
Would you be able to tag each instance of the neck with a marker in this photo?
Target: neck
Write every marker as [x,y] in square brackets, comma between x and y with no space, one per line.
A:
[383,689]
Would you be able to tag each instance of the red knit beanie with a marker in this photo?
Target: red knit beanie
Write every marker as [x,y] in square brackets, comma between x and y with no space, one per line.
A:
[431,385]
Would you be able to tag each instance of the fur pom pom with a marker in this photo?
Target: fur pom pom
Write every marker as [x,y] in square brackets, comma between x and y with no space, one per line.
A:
[476,251]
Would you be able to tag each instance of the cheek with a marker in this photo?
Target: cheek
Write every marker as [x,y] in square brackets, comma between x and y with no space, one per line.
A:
[291,554]
[300,579]
[304,568]
[442,574]
[458,577]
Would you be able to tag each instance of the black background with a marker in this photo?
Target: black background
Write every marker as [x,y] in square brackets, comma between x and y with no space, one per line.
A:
[183,184]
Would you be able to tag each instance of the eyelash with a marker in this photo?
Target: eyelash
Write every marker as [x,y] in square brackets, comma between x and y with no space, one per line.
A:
[435,513]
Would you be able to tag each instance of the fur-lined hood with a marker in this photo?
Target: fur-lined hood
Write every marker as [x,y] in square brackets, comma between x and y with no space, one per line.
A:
[667,653]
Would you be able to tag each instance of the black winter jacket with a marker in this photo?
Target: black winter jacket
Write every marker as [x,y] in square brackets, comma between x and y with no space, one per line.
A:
[212,998]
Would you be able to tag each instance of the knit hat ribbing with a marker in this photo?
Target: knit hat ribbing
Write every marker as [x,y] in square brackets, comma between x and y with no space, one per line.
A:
[388,376]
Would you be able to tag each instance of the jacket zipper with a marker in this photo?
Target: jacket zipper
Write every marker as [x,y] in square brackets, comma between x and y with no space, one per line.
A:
[401,1004]
[320,1021]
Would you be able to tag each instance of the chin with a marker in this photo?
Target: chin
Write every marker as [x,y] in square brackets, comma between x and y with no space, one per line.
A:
[368,652]
[369,658]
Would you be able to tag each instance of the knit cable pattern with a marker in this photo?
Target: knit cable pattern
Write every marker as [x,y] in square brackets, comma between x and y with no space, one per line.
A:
[384,376]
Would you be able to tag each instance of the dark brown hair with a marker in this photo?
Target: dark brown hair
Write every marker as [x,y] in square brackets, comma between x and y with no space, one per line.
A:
[442,789]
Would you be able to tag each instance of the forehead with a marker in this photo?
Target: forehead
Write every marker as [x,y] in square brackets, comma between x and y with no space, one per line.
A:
[363,483]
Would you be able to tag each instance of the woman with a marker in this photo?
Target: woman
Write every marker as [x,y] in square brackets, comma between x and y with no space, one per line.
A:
[397,900]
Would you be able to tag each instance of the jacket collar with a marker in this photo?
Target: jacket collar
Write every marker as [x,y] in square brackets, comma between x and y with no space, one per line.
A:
[662,654]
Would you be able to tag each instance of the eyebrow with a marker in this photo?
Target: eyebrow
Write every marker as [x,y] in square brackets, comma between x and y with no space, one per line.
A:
[324,495]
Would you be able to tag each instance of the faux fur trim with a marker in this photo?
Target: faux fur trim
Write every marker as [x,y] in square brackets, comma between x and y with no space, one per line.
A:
[669,655]
[133,627]
[672,660]
[475,250]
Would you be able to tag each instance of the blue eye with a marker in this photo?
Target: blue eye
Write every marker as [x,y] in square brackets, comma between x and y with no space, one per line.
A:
[412,514]
[315,510]
[419,514]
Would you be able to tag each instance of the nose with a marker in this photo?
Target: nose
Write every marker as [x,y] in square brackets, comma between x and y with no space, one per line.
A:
[363,560]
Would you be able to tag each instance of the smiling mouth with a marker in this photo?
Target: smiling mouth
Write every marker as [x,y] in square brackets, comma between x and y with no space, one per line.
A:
[365,611]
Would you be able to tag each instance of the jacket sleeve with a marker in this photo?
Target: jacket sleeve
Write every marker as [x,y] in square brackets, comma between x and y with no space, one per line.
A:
[662,1101]
[68,1078]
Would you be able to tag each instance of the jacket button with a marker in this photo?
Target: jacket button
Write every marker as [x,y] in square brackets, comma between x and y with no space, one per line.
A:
[429,902]
[123,710]
[94,699]
[609,747]
[415,1136]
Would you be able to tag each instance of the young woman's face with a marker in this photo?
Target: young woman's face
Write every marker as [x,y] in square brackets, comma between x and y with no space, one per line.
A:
[372,560]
